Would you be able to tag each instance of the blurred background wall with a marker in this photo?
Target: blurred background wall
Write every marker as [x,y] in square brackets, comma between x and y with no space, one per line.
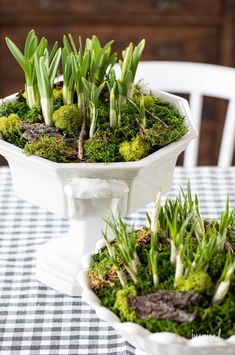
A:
[182,30]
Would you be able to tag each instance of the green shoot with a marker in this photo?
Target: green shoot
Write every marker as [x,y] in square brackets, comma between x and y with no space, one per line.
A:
[141,110]
[46,71]
[26,62]
[92,93]
[68,83]
[80,66]
[113,109]
[111,251]
[125,246]
[226,220]
[153,252]
[225,279]
[156,212]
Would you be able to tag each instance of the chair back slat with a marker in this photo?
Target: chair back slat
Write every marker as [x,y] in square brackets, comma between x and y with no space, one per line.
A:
[191,153]
[198,80]
[228,137]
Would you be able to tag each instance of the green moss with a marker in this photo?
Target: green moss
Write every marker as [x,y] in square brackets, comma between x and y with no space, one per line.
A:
[159,136]
[57,98]
[148,101]
[198,281]
[99,274]
[68,118]
[121,304]
[32,116]
[136,149]
[57,94]
[18,107]
[216,265]
[102,147]
[17,140]
[10,125]
[51,148]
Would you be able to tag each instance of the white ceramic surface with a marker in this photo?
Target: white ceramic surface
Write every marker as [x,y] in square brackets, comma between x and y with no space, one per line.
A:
[84,193]
[145,342]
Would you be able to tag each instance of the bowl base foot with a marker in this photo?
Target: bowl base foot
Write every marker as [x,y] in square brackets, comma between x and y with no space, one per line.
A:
[57,264]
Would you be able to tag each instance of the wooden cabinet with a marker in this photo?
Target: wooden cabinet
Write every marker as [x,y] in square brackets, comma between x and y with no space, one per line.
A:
[185,30]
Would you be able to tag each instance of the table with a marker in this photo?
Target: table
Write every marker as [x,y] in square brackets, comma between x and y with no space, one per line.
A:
[38,320]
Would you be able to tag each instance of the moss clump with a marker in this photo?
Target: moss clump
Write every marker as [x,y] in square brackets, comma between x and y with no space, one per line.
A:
[159,136]
[18,107]
[136,149]
[198,281]
[148,101]
[57,94]
[32,116]
[102,147]
[68,118]
[102,275]
[121,304]
[57,98]
[10,125]
[52,148]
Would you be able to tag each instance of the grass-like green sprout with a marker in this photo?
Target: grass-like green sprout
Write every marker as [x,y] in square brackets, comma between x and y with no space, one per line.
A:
[226,220]
[92,93]
[113,109]
[206,249]
[120,273]
[101,60]
[46,69]
[80,64]
[125,246]
[69,51]
[124,86]
[225,279]
[141,110]
[26,61]
[131,58]
[68,82]
[179,241]
[153,252]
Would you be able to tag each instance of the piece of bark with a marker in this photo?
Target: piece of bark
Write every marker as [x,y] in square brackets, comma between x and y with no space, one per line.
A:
[33,132]
[162,310]
[165,305]
[175,299]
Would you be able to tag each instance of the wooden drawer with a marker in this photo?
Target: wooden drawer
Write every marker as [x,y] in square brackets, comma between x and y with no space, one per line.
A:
[189,7]
[162,43]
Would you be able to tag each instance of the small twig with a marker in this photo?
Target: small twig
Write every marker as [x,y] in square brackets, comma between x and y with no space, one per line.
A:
[150,113]
[83,130]
[156,117]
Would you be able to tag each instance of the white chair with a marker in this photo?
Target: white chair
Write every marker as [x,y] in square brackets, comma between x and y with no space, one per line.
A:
[197,80]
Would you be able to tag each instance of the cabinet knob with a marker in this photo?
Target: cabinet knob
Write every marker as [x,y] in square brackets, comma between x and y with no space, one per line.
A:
[164,5]
[52,4]
[169,50]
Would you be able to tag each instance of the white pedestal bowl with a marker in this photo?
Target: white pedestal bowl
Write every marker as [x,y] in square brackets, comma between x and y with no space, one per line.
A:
[84,193]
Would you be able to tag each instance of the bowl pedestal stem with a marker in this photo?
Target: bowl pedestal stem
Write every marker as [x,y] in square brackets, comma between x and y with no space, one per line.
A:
[59,260]
[89,200]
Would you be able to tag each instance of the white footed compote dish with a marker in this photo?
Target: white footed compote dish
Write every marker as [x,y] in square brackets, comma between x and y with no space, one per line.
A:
[84,193]
[146,342]
[93,141]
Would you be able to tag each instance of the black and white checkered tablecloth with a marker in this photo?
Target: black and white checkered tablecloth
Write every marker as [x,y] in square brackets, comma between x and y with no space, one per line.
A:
[38,320]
